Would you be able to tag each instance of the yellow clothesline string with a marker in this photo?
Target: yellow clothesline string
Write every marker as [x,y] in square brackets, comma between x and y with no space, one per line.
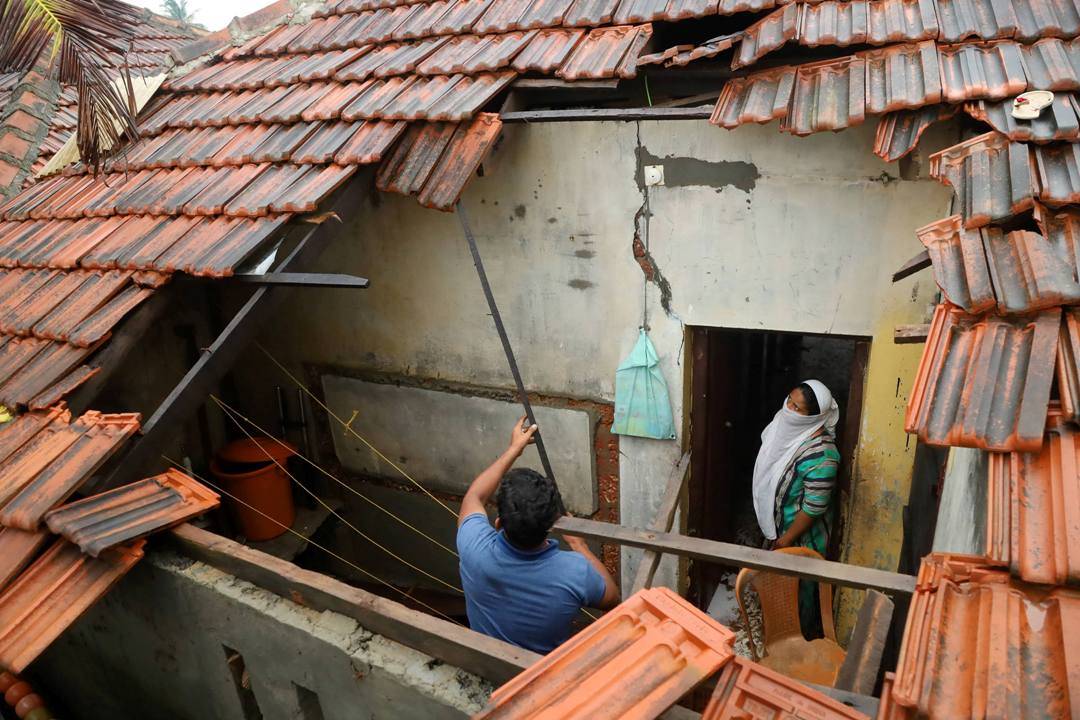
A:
[331,510]
[352,430]
[328,474]
[326,550]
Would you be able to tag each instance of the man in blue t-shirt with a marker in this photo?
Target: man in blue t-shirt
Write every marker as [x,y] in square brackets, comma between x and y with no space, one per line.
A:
[519,586]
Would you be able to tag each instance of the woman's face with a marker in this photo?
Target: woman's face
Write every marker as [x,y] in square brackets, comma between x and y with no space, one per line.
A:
[796,402]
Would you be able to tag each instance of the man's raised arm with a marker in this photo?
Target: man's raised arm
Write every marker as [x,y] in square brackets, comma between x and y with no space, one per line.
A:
[485,484]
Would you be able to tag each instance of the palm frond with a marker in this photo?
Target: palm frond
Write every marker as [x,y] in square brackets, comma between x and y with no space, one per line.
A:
[83,43]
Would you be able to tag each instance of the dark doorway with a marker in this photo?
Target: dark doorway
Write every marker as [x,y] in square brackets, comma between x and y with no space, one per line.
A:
[739,380]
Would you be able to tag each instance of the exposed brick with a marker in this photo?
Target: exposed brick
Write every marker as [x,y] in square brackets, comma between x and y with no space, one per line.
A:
[13,145]
[22,120]
[34,102]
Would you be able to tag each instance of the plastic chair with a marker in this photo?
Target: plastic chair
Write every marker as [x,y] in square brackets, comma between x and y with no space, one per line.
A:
[786,650]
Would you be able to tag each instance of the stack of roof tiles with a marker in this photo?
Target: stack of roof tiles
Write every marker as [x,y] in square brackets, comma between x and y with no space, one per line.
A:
[644,655]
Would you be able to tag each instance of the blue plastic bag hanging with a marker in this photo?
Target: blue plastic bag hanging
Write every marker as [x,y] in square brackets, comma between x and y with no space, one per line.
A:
[642,406]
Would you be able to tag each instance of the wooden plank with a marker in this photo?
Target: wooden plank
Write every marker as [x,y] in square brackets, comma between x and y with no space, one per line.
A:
[912,266]
[910,334]
[730,554]
[699,99]
[288,279]
[623,114]
[665,515]
[859,672]
[485,656]
[556,84]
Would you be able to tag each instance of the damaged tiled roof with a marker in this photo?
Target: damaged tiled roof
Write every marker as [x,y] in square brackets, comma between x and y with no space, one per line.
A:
[127,513]
[985,381]
[979,643]
[50,594]
[17,549]
[632,664]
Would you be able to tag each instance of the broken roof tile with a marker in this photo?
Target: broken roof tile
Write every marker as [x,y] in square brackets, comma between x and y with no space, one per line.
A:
[975,71]
[769,33]
[902,77]
[470,94]
[993,179]
[959,262]
[1051,64]
[984,382]
[62,387]
[710,48]
[980,644]
[56,463]
[632,664]
[51,594]
[1029,526]
[985,19]
[1028,272]
[827,95]
[898,132]
[1059,122]
[467,149]
[745,689]
[127,513]
[607,52]
[17,549]
[547,51]
[758,98]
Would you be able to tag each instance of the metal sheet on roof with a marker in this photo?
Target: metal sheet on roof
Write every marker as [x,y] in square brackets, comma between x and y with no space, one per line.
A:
[984,382]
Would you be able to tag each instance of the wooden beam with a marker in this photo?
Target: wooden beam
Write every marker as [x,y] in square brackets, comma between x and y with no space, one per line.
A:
[197,384]
[862,664]
[454,644]
[623,114]
[737,555]
[910,334]
[556,84]
[699,99]
[912,266]
[292,279]
[665,516]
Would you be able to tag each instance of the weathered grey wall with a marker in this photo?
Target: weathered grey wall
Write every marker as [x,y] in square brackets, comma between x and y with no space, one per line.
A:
[753,229]
[155,647]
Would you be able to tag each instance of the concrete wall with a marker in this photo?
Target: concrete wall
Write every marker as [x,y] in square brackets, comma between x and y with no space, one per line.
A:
[162,638]
[752,229]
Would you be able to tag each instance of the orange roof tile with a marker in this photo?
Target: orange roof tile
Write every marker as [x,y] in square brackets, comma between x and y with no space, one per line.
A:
[980,644]
[746,690]
[51,594]
[631,664]
[17,549]
[103,521]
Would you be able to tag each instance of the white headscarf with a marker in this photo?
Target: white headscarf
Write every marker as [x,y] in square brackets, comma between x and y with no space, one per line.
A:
[779,442]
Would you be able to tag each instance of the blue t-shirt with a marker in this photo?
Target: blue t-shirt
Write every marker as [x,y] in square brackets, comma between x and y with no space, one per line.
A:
[527,598]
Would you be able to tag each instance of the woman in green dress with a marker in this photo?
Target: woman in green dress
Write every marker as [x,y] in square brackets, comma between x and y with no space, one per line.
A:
[794,480]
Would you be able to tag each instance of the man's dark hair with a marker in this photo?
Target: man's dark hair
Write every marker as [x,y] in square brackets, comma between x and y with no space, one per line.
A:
[529,504]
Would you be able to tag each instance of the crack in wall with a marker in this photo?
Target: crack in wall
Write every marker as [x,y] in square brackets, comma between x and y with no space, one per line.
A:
[640,248]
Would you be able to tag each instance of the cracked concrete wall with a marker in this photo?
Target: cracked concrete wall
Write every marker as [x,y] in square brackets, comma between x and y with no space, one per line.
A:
[755,229]
[162,637]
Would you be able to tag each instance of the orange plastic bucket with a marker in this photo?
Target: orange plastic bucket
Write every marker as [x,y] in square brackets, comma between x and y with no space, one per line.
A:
[264,507]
